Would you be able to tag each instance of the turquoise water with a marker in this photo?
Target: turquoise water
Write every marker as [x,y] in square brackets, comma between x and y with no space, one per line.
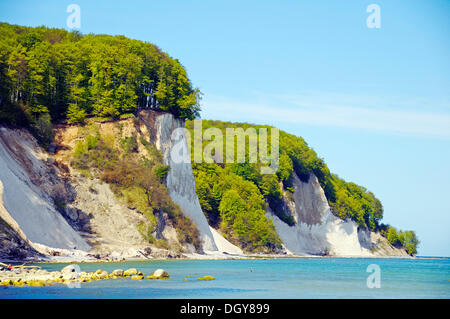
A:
[269,278]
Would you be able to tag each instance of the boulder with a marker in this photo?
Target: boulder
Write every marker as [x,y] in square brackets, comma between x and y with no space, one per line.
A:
[159,274]
[97,275]
[130,272]
[69,269]
[101,274]
[118,272]
[71,276]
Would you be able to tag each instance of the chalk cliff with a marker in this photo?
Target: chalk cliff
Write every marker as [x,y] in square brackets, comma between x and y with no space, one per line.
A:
[318,232]
[180,178]
[27,182]
[34,183]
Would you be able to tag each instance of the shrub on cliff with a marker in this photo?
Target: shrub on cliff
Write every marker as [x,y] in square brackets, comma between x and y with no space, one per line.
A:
[398,238]
[42,129]
[135,178]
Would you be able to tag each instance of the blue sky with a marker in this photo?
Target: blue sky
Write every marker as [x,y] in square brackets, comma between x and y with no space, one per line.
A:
[374,103]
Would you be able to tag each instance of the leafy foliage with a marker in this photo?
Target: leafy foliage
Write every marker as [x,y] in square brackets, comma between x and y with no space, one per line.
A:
[398,238]
[42,129]
[162,171]
[71,76]
[355,202]
[237,206]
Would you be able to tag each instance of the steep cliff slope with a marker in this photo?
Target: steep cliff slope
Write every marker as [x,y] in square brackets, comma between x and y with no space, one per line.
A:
[180,179]
[14,244]
[318,232]
[115,226]
[28,182]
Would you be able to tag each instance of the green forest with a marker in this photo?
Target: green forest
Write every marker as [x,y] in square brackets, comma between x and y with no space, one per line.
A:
[49,75]
[221,186]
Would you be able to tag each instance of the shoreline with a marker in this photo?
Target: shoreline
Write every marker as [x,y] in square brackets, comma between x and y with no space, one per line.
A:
[199,257]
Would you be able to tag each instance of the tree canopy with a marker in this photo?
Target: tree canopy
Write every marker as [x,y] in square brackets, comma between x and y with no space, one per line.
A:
[69,76]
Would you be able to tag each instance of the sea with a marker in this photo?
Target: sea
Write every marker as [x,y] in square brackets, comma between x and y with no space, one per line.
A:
[260,278]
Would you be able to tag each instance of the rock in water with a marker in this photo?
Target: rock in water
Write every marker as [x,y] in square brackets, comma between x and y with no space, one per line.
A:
[160,273]
[118,272]
[100,274]
[130,272]
[69,269]
[71,276]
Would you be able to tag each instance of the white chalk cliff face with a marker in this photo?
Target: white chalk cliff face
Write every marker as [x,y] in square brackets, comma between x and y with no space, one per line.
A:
[317,230]
[23,203]
[180,178]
